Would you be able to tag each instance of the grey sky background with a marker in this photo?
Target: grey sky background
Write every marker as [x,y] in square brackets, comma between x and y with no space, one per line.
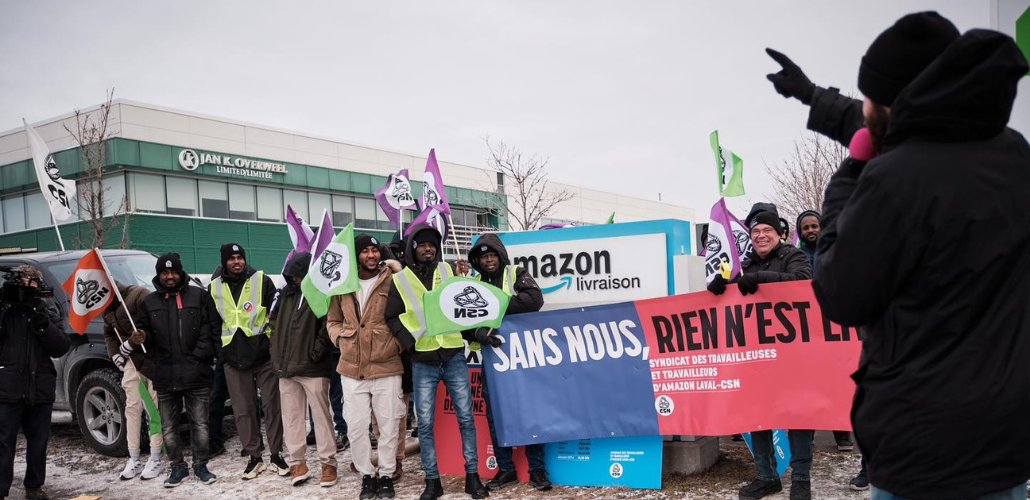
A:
[620,95]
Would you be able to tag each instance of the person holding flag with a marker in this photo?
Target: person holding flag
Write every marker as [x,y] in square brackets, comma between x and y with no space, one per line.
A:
[242,296]
[436,358]
[28,381]
[117,327]
[370,366]
[489,258]
[176,326]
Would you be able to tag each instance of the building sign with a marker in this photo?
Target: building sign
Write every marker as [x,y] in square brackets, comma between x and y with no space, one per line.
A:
[236,166]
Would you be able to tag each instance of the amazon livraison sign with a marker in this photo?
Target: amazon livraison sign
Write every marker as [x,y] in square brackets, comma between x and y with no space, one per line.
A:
[580,272]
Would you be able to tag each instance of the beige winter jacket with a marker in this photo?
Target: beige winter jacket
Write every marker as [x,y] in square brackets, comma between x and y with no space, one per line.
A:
[368,349]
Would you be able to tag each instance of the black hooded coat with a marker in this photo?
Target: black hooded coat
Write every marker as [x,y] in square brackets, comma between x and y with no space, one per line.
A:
[528,297]
[300,345]
[926,249]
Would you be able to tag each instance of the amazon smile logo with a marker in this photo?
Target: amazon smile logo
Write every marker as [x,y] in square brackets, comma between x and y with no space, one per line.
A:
[583,271]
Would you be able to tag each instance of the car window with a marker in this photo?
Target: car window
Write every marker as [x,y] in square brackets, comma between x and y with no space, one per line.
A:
[126,269]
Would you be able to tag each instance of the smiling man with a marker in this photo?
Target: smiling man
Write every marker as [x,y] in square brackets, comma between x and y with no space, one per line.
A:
[808,233]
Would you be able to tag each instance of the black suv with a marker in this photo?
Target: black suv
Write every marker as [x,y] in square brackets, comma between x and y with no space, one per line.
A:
[88,383]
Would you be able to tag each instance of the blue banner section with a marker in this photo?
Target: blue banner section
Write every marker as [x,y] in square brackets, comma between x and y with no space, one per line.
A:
[781,448]
[595,356]
[633,462]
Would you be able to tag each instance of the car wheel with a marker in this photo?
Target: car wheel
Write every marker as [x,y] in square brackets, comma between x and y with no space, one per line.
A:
[100,408]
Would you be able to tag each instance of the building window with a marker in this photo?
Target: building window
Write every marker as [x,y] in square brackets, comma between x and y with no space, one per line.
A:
[269,204]
[382,221]
[299,201]
[182,196]
[214,200]
[148,193]
[113,193]
[364,213]
[319,202]
[343,210]
[14,213]
[241,202]
[37,211]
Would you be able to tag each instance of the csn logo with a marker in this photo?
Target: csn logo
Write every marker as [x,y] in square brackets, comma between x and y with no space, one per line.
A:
[664,405]
[470,304]
[616,470]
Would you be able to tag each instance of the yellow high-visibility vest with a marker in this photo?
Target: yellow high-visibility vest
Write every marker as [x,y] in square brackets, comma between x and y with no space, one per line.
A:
[414,318]
[508,284]
[245,314]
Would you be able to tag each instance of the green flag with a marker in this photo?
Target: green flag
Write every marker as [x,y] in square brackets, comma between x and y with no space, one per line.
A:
[611,219]
[730,168]
[332,272]
[463,303]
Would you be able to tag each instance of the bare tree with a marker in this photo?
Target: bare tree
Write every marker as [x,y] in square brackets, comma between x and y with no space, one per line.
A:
[525,181]
[799,181]
[91,135]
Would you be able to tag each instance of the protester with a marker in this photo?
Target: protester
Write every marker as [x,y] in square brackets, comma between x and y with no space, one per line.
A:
[176,325]
[117,328]
[773,261]
[807,227]
[32,336]
[242,296]
[370,365]
[435,359]
[935,276]
[490,259]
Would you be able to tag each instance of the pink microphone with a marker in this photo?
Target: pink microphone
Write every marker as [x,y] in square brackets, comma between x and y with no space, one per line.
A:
[861,146]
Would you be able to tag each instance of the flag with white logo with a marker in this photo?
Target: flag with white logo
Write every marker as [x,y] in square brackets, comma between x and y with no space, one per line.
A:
[300,234]
[396,196]
[730,168]
[463,303]
[333,271]
[727,241]
[57,191]
[434,195]
[91,290]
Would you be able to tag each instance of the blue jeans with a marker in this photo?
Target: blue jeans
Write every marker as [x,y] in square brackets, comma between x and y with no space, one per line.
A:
[534,452]
[170,406]
[1015,493]
[455,375]
[800,455]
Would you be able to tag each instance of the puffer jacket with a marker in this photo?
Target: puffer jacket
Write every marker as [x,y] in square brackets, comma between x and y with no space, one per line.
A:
[245,352]
[27,374]
[181,327]
[300,344]
[528,297]
[368,349]
[115,317]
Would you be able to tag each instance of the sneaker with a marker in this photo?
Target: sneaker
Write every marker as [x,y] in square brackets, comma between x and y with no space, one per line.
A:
[398,472]
[299,474]
[179,473]
[154,467]
[254,467]
[502,479]
[538,478]
[845,445]
[328,476]
[132,468]
[386,487]
[369,488]
[342,442]
[800,490]
[860,483]
[760,488]
[203,475]
[36,494]
[278,465]
[372,439]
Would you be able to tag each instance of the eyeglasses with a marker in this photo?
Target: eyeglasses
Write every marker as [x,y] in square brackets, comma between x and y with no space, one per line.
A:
[762,232]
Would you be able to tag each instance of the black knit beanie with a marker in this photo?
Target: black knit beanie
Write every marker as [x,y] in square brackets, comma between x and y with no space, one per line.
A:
[230,249]
[901,53]
[768,218]
[363,241]
[426,234]
[169,261]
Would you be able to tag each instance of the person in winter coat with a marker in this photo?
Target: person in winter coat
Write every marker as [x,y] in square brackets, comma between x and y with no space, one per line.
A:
[808,233]
[30,335]
[936,276]
[772,261]
[435,359]
[490,259]
[117,329]
[243,297]
[176,325]
[301,361]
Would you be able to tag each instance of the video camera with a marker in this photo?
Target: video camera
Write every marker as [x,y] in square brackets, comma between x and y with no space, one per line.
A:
[15,293]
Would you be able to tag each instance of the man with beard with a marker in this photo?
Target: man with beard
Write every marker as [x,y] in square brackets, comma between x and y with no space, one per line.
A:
[808,233]
[936,276]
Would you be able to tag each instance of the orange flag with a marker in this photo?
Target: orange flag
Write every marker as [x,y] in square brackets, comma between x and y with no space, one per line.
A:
[90,289]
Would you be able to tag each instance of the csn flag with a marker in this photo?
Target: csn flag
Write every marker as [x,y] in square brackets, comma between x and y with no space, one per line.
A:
[300,234]
[396,196]
[57,191]
[463,303]
[90,289]
[334,271]
[730,168]
[434,196]
[726,242]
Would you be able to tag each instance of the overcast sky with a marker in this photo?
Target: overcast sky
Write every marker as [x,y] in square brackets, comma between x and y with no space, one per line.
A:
[621,96]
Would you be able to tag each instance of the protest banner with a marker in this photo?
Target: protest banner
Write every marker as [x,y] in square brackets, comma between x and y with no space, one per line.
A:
[694,364]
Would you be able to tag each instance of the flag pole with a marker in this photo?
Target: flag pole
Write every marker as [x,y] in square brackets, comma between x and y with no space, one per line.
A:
[454,236]
[117,294]
[58,231]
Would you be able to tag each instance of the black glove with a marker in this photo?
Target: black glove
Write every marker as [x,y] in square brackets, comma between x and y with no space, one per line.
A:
[851,168]
[790,81]
[486,336]
[748,283]
[40,321]
[718,285]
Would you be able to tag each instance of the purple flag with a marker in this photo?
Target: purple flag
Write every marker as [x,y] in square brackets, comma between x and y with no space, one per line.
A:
[396,196]
[324,236]
[430,218]
[722,248]
[300,233]
[434,196]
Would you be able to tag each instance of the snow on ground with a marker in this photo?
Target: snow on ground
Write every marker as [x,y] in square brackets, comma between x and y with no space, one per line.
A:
[74,470]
